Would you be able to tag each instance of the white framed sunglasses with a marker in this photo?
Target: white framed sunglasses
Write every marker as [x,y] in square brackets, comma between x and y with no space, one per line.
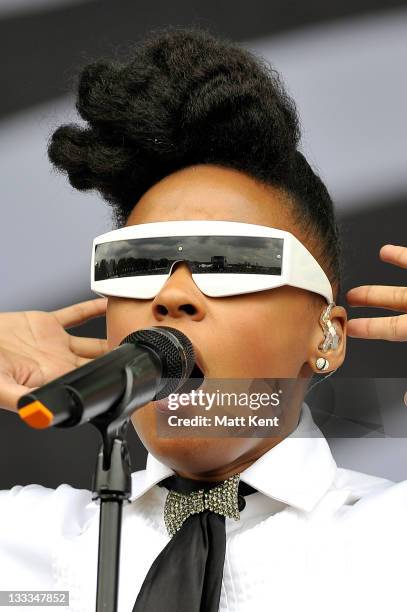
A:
[225,258]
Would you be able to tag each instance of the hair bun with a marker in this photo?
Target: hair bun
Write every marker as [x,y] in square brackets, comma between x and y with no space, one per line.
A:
[183,97]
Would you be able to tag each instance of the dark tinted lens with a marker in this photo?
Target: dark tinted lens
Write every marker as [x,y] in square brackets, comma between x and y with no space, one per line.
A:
[205,254]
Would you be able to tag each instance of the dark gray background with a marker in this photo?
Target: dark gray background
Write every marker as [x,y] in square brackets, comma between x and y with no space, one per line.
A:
[344,64]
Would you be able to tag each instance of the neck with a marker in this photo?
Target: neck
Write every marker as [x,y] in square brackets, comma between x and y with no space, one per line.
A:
[235,467]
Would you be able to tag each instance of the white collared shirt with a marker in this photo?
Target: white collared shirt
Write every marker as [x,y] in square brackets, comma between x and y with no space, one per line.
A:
[314,538]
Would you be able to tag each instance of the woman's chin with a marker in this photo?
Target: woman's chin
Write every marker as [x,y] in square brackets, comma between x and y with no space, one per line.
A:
[201,455]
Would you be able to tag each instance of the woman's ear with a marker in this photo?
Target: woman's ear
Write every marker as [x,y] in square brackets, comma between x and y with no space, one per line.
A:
[330,334]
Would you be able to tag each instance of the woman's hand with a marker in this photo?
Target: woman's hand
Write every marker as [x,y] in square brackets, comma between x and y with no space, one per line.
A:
[35,348]
[381,296]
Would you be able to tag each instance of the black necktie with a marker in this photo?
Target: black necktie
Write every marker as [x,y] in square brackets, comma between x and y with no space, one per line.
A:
[187,574]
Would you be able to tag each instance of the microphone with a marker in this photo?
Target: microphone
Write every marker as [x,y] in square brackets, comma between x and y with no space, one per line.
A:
[161,360]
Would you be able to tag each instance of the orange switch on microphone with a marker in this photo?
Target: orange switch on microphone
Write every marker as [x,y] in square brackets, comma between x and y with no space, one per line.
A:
[36,415]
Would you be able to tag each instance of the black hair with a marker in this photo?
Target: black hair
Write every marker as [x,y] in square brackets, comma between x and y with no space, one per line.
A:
[186,97]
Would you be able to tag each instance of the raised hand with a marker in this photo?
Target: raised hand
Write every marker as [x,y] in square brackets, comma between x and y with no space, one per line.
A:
[35,347]
[392,328]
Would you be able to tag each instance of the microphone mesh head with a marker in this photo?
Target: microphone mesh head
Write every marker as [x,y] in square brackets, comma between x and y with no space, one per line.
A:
[175,351]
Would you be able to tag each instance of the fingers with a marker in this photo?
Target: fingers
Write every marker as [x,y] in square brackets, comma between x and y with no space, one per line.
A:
[88,347]
[379,328]
[81,312]
[379,296]
[394,254]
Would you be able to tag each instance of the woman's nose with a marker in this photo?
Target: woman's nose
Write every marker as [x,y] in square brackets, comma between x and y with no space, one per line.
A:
[179,295]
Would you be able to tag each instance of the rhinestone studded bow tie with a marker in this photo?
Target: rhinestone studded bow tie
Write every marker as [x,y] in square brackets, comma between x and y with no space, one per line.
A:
[222,499]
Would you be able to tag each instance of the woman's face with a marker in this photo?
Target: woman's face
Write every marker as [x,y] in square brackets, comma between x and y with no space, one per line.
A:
[266,334]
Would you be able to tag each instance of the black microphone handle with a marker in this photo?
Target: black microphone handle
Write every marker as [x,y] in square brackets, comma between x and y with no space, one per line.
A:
[80,395]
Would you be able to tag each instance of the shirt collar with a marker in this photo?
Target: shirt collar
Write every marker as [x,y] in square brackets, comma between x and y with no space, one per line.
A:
[154,473]
[297,471]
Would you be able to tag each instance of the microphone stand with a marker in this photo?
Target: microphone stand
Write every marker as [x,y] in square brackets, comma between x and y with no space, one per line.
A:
[111,485]
[112,478]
